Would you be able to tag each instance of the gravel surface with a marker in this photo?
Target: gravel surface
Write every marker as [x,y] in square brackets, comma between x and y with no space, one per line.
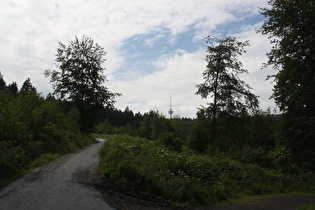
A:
[66,183]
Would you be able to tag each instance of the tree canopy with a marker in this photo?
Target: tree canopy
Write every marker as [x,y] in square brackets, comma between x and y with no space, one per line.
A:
[221,82]
[27,86]
[2,82]
[79,78]
[291,28]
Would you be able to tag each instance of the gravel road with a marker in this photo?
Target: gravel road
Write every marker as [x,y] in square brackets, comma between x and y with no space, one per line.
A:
[66,183]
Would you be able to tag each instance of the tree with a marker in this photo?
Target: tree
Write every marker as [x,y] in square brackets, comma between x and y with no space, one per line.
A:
[79,78]
[291,28]
[27,86]
[230,94]
[2,82]
[13,88]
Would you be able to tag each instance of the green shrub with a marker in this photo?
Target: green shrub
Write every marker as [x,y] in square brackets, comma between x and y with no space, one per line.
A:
[31,126]
[186,178]
[12,159]
[171,142]
[280,158]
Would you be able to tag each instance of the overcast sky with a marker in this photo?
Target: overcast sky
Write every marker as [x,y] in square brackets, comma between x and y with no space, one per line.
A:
[155,47]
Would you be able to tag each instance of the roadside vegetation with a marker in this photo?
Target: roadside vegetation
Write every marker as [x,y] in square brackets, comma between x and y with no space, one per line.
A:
[231,149]
[183,176]
[34,130]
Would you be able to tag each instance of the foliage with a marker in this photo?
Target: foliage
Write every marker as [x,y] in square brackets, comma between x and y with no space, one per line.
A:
[307,207]
[229,93]
[290,26]
[43,159]
[2,82]
[80,77]
[281,158]
[153,125]
[118,118]
[200,136]
[185,177]
[105,127]
[231,133]
[11,158]
[171,142]
[27,86]
[32,128]
[13,88]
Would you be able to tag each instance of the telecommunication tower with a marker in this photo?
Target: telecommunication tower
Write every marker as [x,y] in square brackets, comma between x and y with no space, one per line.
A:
[170,111]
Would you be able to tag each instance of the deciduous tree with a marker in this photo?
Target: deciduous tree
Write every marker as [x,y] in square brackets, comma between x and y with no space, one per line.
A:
[291,29]
[229,93]
[79,78]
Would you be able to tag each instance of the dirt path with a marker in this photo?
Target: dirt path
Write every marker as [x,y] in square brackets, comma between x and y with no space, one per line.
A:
[63,184]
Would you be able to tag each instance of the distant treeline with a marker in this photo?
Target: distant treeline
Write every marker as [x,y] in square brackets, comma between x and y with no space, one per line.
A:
[249,139]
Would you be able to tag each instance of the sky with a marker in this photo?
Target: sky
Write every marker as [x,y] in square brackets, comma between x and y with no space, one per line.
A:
[155,49]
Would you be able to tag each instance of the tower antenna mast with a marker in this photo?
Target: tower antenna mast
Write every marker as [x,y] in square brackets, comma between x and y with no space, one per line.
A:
[170,111]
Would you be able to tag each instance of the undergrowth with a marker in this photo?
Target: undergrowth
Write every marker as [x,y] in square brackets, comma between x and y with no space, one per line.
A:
[14,161]
[186,178]
[42,160]
[307,207]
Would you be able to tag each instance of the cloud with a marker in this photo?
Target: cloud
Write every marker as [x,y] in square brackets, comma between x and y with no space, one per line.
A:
[31,30]
[180,72]
[179,75]
[253,60]
[154,39]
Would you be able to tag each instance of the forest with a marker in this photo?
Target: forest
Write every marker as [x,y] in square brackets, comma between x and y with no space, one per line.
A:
[231,149]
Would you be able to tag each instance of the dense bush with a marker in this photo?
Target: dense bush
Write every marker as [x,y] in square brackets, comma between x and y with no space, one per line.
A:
[186,177]
[11,159]
[31,127]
